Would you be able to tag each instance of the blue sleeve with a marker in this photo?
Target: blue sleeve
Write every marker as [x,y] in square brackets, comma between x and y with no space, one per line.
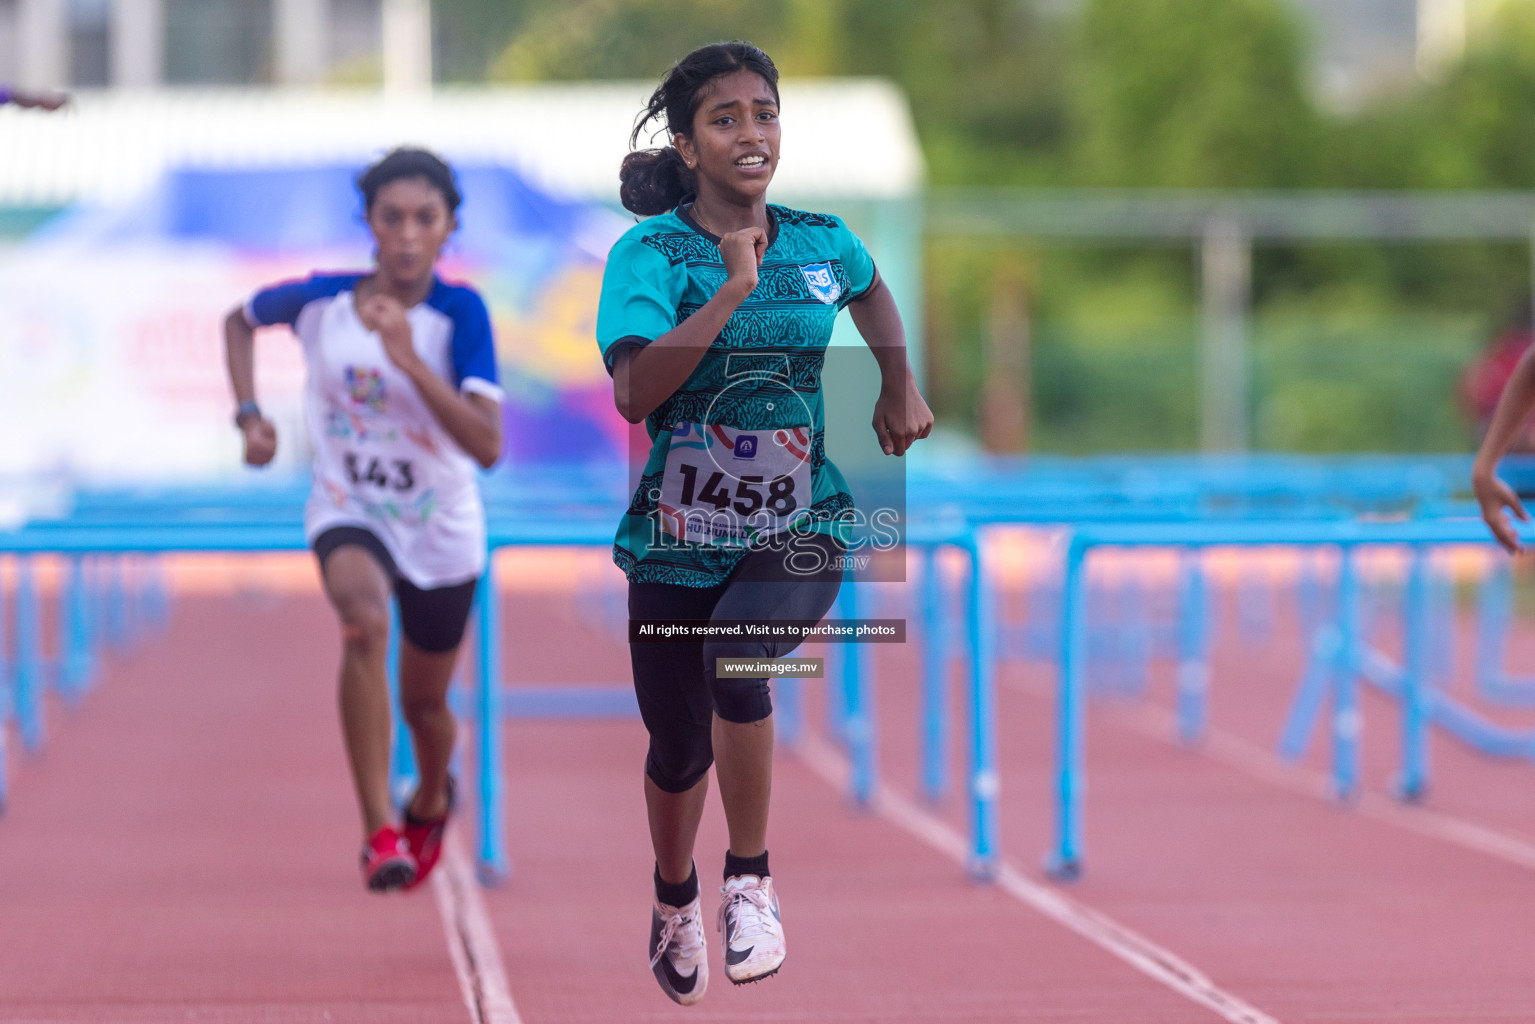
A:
[474,345]
[856,261]
[282,303]
[641,290]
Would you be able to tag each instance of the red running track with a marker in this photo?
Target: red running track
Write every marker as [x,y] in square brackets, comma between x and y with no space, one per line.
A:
[185,851]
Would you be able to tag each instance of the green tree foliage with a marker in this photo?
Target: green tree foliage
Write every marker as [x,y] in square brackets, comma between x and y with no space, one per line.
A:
[1190,94]
[984,76]
[1473,130]
[1354,345]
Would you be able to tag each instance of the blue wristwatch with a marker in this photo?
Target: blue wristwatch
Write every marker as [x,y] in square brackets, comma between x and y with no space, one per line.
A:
[246,409]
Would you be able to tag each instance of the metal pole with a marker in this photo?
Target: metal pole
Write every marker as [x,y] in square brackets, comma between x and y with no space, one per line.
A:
[1312,692]
[6,700]
[42,27]
[403,775]
[407,47]
[77,662]
[302,40]
[1347,723]
[117,603]
[935,696]
[1066,863]
[493,865]
[860,713]
[138,43]
[29,668]
[1413,782]
[984,780]
[1225,272]
[1492,622]
[837,712]
[1193,650]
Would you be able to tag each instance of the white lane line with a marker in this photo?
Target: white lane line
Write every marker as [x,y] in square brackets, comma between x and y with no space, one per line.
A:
[1128,945]
[471,941]
[1256,762]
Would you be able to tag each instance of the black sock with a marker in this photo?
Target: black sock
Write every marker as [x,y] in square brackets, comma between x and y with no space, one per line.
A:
[757,865]
[679,895]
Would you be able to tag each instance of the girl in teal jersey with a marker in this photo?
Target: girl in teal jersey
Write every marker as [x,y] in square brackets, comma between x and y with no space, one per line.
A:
[714,319]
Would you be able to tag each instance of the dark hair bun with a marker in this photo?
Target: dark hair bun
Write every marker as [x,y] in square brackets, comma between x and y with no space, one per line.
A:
[653,181]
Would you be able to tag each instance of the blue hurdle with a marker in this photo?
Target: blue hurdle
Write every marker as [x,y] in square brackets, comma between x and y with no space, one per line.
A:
[1341,660]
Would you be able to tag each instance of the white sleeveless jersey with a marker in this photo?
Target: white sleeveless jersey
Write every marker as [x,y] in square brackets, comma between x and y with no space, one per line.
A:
[382,461]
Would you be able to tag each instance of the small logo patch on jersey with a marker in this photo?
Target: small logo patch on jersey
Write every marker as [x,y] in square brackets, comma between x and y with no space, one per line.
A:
[822,282]
[366,386]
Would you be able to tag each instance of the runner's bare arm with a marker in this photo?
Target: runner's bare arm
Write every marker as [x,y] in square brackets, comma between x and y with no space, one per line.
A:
[1512,412]
[240,358]
[644,377]
[474,421]
[901,416]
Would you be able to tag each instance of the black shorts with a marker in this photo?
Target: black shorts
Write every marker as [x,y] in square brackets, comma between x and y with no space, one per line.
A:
[433,620]
[675,681]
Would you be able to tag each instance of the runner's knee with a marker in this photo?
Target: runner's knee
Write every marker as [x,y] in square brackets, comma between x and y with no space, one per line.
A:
[738,700]
[677,760]
[418,710]
[364,625]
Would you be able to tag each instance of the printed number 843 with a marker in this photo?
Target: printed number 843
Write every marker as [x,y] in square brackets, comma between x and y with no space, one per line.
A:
[403,478]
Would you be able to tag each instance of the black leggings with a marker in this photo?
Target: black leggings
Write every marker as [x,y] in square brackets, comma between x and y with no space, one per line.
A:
[675,680]
[432,620]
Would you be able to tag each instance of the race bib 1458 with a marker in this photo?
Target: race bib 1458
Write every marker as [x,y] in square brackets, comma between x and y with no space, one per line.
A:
[728,486]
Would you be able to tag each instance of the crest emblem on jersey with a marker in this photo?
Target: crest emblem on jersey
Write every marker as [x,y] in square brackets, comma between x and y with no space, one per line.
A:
[822,282]
[366,386]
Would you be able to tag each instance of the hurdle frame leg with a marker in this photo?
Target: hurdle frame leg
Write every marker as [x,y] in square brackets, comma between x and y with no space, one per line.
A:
[28,659]
[1347,722]
[1065,862]
[985,856]
[491,862]
[1412,785]
[1193,649]
[935,683]
[859,721]
[403,775]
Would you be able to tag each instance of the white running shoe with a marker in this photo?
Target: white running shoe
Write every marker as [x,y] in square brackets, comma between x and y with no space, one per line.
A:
[678,950]
[750,928]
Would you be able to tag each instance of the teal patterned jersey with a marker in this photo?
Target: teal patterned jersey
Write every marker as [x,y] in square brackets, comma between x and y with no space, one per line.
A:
[761,378]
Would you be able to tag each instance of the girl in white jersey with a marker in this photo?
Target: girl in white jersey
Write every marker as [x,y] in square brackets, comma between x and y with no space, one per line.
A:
[402,402]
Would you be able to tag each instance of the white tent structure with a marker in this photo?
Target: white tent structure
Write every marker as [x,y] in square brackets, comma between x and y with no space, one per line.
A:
[843,139]
[131,335]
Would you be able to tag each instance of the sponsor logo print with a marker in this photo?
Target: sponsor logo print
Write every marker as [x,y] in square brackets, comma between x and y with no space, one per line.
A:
[822,282]
[746,446]
[365,384]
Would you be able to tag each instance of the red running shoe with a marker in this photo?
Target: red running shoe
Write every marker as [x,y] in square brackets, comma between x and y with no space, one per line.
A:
[386,861]
[425,835]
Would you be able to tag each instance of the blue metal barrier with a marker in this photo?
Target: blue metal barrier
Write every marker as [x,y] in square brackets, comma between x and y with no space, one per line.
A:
[29,659]
[1339,657]
[985,856]
[935,671]
[1131,502]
